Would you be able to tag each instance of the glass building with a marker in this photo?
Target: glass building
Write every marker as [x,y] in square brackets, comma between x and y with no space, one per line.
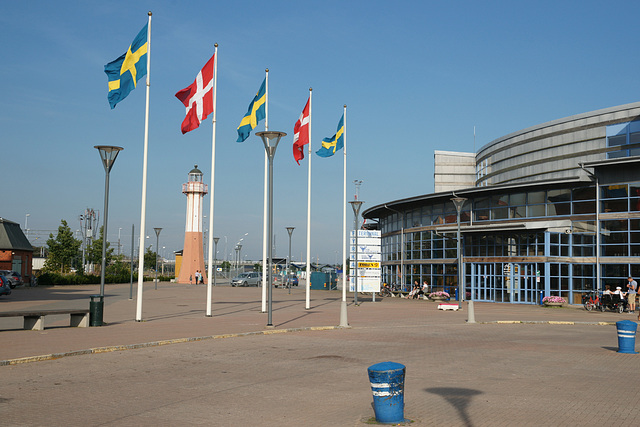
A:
[555,210]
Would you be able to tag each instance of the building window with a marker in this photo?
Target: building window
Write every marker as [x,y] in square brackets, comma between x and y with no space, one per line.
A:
[624,138]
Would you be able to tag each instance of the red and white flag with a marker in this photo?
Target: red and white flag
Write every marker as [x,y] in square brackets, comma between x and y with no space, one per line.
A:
[301,133]
[198,98]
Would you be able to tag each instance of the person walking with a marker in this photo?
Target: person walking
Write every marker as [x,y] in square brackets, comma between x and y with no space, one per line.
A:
[632,290]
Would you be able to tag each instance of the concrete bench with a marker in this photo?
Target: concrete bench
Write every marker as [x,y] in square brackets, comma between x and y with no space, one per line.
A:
[34,319]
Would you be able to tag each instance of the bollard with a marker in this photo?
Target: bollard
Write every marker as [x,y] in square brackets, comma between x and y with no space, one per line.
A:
[627,336]
[387,386]
[96,310]
[541,298]
[472,315]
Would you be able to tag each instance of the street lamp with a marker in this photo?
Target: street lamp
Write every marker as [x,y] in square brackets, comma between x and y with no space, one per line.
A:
[238,252]
[215,258]
[355,205]
[26,224]
[108,154]
[459,202]
[157,230]
[270,139]
[290,231]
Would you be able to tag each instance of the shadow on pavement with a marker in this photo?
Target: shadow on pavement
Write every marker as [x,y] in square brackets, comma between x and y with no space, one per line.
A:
[459,398]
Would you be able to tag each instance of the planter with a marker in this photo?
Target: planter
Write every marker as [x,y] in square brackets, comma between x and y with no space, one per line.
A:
[553,304]
[438,298]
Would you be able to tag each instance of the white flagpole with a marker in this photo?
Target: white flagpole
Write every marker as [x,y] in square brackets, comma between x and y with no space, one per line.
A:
[213,176]
[265,206]
[143,210]
[308,281]
[343,304]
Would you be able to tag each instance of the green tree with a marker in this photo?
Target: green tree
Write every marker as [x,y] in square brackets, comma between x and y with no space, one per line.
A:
[118,267]
[94,252]
[63,248]
[150,259]
[257,266]
[226,266]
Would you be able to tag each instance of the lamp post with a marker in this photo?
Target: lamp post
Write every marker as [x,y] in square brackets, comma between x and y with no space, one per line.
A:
[270,139]
[215,258]
[238,252]
[26,225]
[290,231]
[157,230]
[458,203]
[355,205]
[108,154]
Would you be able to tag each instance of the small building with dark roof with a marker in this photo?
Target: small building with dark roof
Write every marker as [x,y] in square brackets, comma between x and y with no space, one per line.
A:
[16,253]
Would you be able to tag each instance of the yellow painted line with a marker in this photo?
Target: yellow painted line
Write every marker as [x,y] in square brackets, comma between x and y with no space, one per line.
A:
[109,349]
[555,322]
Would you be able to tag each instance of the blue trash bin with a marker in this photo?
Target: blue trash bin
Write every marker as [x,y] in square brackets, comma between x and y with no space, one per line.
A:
[627,336]
[387,386]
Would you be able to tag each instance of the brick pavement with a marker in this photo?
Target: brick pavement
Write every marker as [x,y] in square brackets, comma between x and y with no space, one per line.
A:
[489,374]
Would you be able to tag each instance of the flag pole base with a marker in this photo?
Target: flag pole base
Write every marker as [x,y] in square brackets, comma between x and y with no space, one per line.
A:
[343,315]
[472,314]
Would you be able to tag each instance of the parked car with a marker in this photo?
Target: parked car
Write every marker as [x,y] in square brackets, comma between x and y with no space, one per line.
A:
[14,278]
[247,279]
[292,280]
[5,289]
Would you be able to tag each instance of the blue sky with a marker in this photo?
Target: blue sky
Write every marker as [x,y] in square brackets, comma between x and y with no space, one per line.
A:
[417,76]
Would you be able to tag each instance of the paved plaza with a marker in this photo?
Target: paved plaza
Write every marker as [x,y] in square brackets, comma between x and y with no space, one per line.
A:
[519,365]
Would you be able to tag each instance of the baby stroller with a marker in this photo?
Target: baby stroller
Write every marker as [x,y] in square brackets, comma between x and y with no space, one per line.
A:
[613,302]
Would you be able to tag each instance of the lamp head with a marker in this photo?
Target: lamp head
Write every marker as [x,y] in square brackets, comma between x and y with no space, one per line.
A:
[270,139]
[108,154]
[355,205]
[458,202]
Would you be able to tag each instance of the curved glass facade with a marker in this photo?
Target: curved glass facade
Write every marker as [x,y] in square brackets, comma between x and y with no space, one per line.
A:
[566,235]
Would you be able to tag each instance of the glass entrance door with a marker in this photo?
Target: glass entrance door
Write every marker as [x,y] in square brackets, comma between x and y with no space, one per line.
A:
[505,282]
[483,282]
[524,289]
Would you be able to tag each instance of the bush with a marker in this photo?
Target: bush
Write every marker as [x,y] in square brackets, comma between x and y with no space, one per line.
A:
[50,279]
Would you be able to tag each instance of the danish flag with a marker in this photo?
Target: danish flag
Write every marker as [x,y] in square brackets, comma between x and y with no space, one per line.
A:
[198,98]
[301,133]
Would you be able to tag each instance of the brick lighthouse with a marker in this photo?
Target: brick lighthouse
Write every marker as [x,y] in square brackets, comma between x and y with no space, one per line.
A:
[193,254]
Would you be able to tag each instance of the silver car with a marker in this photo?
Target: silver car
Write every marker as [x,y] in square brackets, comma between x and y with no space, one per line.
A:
[14,278]
[247,279]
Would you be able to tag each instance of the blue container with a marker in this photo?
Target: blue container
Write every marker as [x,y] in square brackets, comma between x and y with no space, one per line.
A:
[387,385]
[627,336]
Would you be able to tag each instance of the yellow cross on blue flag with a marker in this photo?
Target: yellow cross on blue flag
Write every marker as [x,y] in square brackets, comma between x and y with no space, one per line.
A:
[131,66]
[333,144]
[255,113]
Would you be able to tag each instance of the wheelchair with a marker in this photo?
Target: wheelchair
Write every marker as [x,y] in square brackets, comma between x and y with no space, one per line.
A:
[613,302]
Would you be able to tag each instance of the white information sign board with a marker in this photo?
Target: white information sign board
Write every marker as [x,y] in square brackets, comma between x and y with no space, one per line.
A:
[369,255]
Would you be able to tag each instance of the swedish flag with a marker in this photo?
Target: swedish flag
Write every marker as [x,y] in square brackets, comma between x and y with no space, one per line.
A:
[131,66]
[333,144]
[255,113]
